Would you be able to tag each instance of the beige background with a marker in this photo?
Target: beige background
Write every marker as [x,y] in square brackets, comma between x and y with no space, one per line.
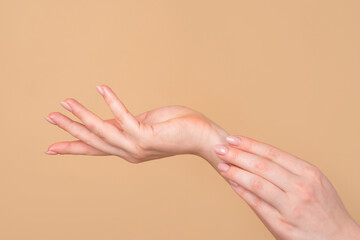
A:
[283,72]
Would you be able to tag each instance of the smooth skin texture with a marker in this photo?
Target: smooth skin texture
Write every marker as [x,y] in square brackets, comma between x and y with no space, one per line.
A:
[155,134]
[292,198]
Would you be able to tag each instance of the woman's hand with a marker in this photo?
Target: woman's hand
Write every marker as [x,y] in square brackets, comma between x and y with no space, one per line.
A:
[154,134]
[292,197]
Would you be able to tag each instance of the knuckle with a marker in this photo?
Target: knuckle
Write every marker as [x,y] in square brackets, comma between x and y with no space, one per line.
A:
[93,127]
[87,151]
[97,129]
[297,212]
[272,153]
[256,184]
[67,145]
[241,191]
[110,101]
[256,203]
[232,173]
[233,155]
[305,192]
[248,144]
[313,174]
[73,129]
[261,166]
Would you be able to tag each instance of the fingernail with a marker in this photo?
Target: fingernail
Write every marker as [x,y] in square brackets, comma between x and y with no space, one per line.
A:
[100,90]
[220,149]
[50,120]
[233,183]
[233,140]
[51,153]
[66,106]
[106,91]
[223,167]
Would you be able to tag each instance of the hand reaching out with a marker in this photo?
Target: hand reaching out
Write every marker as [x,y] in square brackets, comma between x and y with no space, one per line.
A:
[292,197]
[154,134]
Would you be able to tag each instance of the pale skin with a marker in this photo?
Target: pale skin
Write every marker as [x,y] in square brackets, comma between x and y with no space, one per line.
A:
[293,198]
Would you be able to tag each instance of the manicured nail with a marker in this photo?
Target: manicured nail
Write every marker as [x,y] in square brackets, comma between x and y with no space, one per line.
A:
[51,153]
[50,120]
[106,91]
[223,167]
[233,140]
[66,106]
[220,149]
[233,183]
[100,90]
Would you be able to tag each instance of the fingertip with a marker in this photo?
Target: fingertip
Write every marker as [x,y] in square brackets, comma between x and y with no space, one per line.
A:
[107,90]
[223,167]
[100,89]
[220,149]
[52,115]
[233,140]
[51,153]
[50,120]
[66,105]
[234,184]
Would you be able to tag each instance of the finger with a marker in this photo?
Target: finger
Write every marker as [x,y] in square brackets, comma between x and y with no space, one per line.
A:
[75,148]
[260,166]
[126,120]
[105,130]
[255,184]
[80,132]
[265,211]
[282,158]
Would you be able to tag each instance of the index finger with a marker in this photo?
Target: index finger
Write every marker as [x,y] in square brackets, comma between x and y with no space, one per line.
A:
[122,115]
[284,159]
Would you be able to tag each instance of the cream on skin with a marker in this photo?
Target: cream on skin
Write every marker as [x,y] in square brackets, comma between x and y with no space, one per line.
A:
[292,197]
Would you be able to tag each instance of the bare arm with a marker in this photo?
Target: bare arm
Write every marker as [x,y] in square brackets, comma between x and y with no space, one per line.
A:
[292,197]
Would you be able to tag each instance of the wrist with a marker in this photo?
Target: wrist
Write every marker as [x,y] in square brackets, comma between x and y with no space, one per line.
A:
[215,136]
[350,230]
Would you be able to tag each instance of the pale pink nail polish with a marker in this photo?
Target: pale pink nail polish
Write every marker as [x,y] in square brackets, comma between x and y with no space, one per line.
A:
[50,120]
[233,183]
[106,91]
[66,106]
[223,167]
[220,149]
[51,153]
[100,90]
[233,140]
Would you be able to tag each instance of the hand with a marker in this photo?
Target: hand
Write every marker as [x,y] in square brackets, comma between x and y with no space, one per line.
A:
[154,134]
[292,197]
